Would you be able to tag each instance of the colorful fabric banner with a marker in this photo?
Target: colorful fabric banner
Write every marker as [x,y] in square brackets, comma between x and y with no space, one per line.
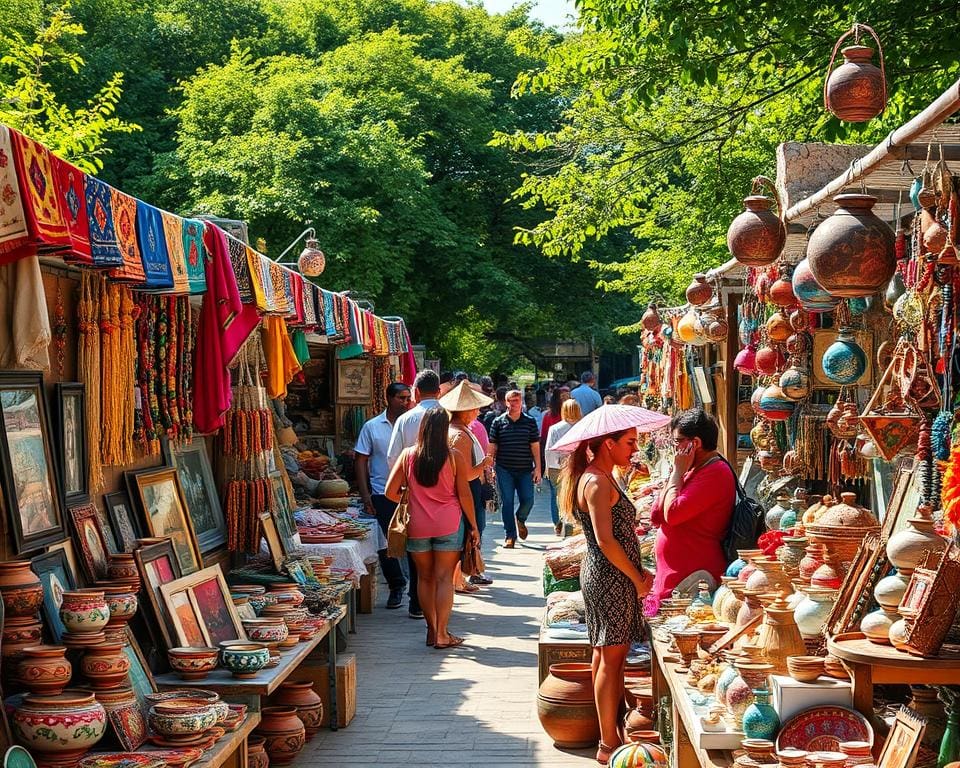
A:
[14,234]
[196,255]
[173,234]
[103,235]
[45,222]
[71,182]
[125,226]
[309,305]
[153,248]
[240,263]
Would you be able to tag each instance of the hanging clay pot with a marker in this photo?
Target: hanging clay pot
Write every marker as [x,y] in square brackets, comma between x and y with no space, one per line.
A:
[853,252]
[781,292]
[699,291]
[746,361]
[795,382]
[651,318]
[856,91]
[934,237]
[769,360]
[799,320]
[757,236]
[778,328]
[775,405]
[716,327]
[812,296]
[798,343]
[844,361]
[895,289]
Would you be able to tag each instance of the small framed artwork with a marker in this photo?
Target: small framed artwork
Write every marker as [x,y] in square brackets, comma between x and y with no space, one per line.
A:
[56,577]
[107,527]
[201,608]
[268,528]
[903,741]
[199,491]
[140,677]
[66,546]
[125,525]
[91,540]
[354,381]
[31,490]
[158,565]
[283,514]
[73,464]
[158,494]
[129,725]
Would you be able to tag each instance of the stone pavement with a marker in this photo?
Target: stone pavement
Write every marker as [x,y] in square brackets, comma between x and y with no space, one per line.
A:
[474,706]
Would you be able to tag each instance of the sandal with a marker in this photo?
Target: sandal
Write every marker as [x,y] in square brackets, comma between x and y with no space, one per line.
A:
[604,752]
[454,642]
[431,638]
[466,589]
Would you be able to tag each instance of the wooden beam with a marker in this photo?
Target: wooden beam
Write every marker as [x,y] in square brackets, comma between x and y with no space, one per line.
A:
[945,105]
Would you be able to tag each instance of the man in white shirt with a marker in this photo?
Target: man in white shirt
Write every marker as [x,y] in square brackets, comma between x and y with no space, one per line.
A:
[588,398]
[405,431]
[372,471]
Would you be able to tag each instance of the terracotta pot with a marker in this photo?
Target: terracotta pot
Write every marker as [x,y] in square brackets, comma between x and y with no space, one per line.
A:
[58,730]
[256,754]
[855,91]
[84,610]
[650,319]
[852,253]
[305,700]
[105,666]
[779,636]
[283,732]
[122,604]
[781,292]
[778,328]
[287,594]
[122,567]
[44,668]
[19,632]
[757,236]
[699,291]
[566,708]
[20,589]
[769,360]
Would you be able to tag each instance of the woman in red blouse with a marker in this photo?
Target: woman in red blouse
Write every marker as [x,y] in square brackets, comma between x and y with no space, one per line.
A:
[694,506]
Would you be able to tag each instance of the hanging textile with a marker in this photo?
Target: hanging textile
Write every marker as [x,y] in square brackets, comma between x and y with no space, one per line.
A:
[103,236]
[153,248]
[88,368]
[281,359]
[408,361]
[296,297]
[14,235]
[328,314]
[71,182]
[300,346]
[125,226]
[309,305]
[25,333]
[240,263]
[196,255]
[173,234]
[277,277]
[45,222]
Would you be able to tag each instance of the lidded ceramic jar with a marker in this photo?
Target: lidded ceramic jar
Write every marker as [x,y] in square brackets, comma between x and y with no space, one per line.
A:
[20,589]
[848,514]
[757,236]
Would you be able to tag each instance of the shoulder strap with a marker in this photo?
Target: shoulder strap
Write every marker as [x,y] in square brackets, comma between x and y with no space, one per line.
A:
[741,491]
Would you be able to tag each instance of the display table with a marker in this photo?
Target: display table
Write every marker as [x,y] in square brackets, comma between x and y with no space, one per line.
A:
[231,750]
[348,555]
[686,723]
[556,651]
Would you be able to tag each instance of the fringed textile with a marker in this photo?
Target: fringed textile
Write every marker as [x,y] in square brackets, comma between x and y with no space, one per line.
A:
[25,332]
[38,190]
[88,366]
[125,225]
[173,234]
[71,183]
[104,247]
[196,255]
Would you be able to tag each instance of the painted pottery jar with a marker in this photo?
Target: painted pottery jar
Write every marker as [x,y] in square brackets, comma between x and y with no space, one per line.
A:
[105,665]
[791,554]
[565,706]
[283,732]
[59,729]
[772,518]
[19,632]
[852,253]
[650,319]
[727,675]
[699,291]
[812,612]
[812,560]
[778,328]
[193,663]
[245,660]
[305,700]
[256,754]
[638,754]
[795,382]
[181,723]
[20,589]
[747,556]
[775,405]
[122,603]
[760,720]
[812,296]
[757,236]
[721,595]
[122,568]
[790,517]
[844,361]
[856,91]
[738,698]
[44,668]
[84,610]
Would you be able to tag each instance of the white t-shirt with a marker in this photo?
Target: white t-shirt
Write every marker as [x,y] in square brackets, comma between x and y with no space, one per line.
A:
[555,459]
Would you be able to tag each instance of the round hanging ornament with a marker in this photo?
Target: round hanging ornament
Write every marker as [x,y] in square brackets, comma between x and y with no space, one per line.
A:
[757,236]
[781,292]
[689,329]
[812,296]
[844,361]
[651,318]
[856,91]
[775,405]
[699,292]
[795,382]
[778,328]
[769,360]
[746,361]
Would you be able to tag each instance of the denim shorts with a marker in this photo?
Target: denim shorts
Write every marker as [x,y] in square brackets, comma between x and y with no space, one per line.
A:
[452,542]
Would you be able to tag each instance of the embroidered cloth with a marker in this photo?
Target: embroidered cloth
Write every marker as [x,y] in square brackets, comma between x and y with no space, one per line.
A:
[153,248]
[14,235]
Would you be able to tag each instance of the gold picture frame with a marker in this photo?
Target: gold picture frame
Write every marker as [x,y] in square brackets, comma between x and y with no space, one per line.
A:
[903,742]
[822,339]
[159,496]
[201,609]
[354,381]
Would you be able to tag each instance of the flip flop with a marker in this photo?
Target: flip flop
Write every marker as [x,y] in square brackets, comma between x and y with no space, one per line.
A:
[466,589]
[454,642]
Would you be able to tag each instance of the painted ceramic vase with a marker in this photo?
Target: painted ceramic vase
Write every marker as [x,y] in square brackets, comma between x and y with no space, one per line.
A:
[84,610]
[19,633]
[44,669]
[105,665]
[772,518]
[256,754]
[20,589]
[283,732]
[760,720]
[775,405]
[844,361]
[193,663]
[812,296]
[122,604]
[855,91]
[727,675]
[757,236]
[122,570]
[638,755]
[305,700]
[812,612]
[565,706]
[59,729]
[245,660]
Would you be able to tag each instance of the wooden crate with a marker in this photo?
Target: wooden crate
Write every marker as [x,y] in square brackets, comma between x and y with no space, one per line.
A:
[551,651]
[314,669]
[368,589]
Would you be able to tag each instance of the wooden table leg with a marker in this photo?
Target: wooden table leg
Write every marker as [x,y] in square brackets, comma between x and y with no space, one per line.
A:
[332,675]
[861,677]
[685,756]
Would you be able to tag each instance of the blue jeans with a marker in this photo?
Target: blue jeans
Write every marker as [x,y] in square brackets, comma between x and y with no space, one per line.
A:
[521,484]
[554,509]
[479,508]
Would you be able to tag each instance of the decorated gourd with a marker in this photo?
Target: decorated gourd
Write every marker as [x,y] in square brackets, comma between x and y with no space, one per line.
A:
[638,755]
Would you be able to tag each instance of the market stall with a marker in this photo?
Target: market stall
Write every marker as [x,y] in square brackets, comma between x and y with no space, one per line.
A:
[160,569]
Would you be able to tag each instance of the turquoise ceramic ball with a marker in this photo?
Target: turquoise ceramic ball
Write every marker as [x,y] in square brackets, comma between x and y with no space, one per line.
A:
[844,361]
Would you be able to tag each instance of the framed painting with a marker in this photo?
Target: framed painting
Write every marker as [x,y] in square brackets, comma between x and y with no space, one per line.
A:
[56,577]
[199,492]
[283,514]
[354,381]
[109,536]
[140,677]
[903,741]
[157,492]
[201,608]
[158,565]
[73,465]
[94,553]
[268,528]
[125,525]
[66,546]
[31,490]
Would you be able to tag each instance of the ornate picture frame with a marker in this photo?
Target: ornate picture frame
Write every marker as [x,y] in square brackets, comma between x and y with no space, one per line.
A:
[159,497]
[856,591]
[92,541]
[158,565]
[199,491]
[73,465]
[354,381]
[125,524]
[268,528]
[903,741]
[200,603]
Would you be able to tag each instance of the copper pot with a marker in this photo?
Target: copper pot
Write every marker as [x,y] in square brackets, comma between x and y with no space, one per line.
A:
[757,236]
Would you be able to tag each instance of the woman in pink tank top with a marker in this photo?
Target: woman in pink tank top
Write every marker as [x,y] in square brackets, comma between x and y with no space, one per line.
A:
[439,498]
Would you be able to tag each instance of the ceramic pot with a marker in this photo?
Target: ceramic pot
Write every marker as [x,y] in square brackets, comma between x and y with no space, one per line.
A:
[638,754]
[19,633]
[844,361]
[789,519]
[269,631]
[775,405]
[772,518]
[732,605]
[699,291]
[769,360]
[927,704]
[650,319]
[852,253]
[59,729]
[283,732]
[565,706]
[727,675]
[122,604]
[738,697]
[193,663]
[256,754]
[84,610]
[812,612]
[689,329]
[20,589]
[287,593]
[182,724]
[105,665]
[757,236]
[876,625]
[760,720]
[123,568]
[768,577]
[855,91]
[779,636]
[904,549]
[778,328]
[305,700]
[750,609]
[44,668]
[245,660]
[795,382]
[813,297]
[636,723]
[791,554]
[781,292]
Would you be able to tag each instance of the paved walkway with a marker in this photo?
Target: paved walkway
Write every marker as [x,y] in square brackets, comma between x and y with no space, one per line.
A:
[474,706]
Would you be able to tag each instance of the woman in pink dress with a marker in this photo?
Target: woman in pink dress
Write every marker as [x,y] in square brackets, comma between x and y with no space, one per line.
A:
[437,491]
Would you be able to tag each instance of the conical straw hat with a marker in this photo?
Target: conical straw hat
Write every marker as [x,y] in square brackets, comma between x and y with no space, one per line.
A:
[463,397]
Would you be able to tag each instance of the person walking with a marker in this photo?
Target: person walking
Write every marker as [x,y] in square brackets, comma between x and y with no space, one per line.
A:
[439,499]
[552,416]
[372,468]
[555,459]
[426,387]
[515,448]
[585,394]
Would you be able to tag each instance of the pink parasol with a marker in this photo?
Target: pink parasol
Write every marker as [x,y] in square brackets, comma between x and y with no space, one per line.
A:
[608,419]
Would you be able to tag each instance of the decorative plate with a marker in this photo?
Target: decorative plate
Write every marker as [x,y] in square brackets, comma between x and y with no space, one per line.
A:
[122,760]
[178,758]
[18,757]
[821,729]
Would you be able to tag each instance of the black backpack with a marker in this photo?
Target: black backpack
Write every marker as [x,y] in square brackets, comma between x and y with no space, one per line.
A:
[746,522]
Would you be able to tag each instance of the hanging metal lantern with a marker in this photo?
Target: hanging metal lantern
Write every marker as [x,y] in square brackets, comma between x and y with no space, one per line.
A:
[812,296]
[844,361]
[757,236]
[856,91]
